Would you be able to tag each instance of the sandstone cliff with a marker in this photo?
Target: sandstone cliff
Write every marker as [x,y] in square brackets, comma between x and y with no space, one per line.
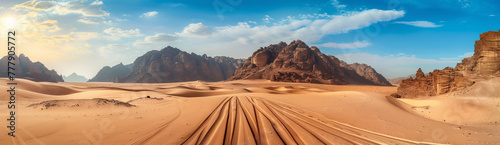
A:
[26,69]
[484,64]
[298,62]
[173,65]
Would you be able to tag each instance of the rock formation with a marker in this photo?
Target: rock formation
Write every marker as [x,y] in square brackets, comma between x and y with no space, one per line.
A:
[111,74]
[485,63]
[173,65]
[398,80]
[300,63]
[362,74]
[75,78]
[28,70]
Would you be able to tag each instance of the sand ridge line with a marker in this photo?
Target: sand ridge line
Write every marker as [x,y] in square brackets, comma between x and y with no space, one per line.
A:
[232,122]
[325,121]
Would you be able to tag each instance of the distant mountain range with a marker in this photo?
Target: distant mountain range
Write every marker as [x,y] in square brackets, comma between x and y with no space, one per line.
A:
[26,69]
[294,62]
[75,78]
[173,65]
[111,74]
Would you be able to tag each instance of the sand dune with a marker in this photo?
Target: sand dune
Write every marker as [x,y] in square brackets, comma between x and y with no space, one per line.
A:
[247,112]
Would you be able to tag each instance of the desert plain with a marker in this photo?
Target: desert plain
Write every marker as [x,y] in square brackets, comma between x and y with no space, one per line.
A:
[247,112]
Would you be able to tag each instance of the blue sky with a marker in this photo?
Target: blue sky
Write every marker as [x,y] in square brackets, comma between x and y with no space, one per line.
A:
[396,37]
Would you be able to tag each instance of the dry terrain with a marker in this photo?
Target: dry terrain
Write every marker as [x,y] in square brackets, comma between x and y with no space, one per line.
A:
[247,112]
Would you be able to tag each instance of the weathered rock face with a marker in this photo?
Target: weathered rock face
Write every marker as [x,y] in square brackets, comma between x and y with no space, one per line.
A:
[483,64]
[362,74]
[436,83]
[173,65]
[229,64]
[298,62]
[29,70]
[486,58]
[111,74]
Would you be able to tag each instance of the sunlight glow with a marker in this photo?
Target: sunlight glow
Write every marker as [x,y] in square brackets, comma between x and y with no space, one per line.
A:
[9,22]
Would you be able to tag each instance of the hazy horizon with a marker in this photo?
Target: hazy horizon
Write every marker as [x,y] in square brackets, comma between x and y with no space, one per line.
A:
[395,38]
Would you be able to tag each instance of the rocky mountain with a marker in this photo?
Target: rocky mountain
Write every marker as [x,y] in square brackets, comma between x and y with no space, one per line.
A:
[173,65]
[484,64]
[397,81]
[362,74]
[111,74]
[232,61]
[74,78]
[27,69]
[298,62]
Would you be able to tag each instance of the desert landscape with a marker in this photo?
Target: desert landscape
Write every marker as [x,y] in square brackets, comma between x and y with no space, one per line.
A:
[311,98]
[260,72]
[249,112]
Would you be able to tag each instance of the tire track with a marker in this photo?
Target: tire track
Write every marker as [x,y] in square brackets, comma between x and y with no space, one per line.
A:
[250,120]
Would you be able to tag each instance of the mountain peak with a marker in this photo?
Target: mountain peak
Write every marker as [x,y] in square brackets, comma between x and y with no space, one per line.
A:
[297,62]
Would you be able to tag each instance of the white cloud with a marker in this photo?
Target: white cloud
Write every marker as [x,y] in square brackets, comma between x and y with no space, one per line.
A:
[305,29]
[117,32]
[78,7]
[175,4]
[468,54]
[336,4]
[464,3]
[161,37]
[423,24]
[156,40]
[267,18]
[49,26]
[242,39]
[87,21]
[149,14]
[111,49]
[492,15]
[38,6]
[353,45]
[82,36]
[396,66]
[196,29]
[460,57]
[97,3]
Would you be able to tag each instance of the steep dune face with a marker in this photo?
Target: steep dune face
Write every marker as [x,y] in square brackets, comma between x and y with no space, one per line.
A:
[173,65]
[484,64]
[35,71]
[298,62]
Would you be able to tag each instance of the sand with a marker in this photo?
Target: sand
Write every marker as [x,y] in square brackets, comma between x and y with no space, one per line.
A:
[247,112]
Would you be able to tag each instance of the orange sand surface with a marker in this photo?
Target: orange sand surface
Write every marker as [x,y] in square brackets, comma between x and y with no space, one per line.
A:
[246,112]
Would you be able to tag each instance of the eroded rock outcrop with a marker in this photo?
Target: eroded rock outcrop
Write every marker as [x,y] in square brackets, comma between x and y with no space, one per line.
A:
[300,63]
[484,64]
[363,74]
[27,69]
[173,65]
